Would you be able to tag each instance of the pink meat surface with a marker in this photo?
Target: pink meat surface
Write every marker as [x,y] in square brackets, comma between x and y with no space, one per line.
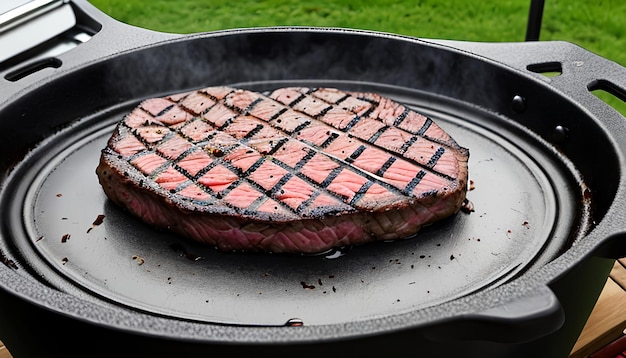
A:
[298,170]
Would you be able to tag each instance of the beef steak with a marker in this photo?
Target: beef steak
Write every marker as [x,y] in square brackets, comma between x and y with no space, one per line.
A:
[298,170]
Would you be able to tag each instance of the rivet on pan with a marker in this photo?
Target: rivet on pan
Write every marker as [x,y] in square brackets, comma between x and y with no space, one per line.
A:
[519,104]
[294,322]
[560,134]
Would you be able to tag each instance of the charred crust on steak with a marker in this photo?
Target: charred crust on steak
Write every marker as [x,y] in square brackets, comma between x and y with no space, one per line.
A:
[297,162]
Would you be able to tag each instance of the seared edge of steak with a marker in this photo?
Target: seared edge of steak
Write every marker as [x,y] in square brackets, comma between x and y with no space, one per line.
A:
[312,235]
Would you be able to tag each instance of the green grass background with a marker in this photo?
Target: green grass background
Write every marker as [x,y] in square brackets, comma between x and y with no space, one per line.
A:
[596,25]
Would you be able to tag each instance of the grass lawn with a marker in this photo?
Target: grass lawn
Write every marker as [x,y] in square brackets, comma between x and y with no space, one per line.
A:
[598,26]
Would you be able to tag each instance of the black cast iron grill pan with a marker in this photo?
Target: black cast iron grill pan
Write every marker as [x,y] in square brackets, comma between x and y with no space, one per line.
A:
[516,277]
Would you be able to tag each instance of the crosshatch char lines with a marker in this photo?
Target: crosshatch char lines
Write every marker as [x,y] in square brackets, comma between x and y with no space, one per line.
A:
[254,123]
[290,154]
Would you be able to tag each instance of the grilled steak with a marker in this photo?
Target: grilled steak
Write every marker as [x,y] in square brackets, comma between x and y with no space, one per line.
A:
[297,170]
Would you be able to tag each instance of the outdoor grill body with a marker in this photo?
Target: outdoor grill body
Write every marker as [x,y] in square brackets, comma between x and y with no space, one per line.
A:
[562,231]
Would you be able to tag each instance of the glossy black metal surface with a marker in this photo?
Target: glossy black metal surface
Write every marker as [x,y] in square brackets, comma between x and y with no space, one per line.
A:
[522,218]
[548,197]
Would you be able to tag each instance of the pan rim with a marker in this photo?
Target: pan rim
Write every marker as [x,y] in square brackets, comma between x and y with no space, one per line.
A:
[332,334]
[304,333]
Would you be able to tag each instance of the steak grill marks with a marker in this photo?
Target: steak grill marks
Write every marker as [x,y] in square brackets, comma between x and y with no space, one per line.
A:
[298,151]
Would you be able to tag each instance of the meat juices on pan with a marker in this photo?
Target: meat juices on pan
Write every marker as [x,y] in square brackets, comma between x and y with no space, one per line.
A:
[301,170]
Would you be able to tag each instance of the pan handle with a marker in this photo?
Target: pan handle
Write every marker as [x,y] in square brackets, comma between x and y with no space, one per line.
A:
[539,311]
[94,36]
[113,36]
[578,71]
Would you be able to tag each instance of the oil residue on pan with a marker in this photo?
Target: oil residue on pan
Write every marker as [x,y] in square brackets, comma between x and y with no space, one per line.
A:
[523,215]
